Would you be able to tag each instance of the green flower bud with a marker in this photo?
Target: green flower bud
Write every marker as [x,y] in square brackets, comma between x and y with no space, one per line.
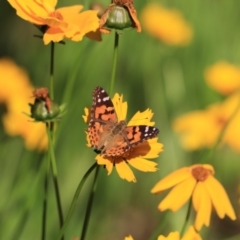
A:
[118,18]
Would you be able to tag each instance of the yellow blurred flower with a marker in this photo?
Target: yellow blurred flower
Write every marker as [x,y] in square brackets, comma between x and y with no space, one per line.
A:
[137,156]
[223,77]
[167,25]
[196,182]
[65,22]
[16,92]
[191,234]
[200,129]
[128,238]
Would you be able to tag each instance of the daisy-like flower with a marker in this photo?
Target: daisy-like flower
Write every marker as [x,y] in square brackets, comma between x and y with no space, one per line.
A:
[57,24]
[191,234]
[196,182]
[15,92]
[223,77]
[119,15]
[167,25]
[201,129]
[137,156]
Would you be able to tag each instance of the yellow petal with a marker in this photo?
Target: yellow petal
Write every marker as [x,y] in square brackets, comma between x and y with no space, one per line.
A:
[202,204]
[69,12]
[24,13]
[53,34]
[86,112]
[155,148]
[143,165]
[171,236]
[178,196]
[219,198]
[172,179]
[128,238]
[120,106]
[142,118]
[125,172]
[106,162]
[191,234]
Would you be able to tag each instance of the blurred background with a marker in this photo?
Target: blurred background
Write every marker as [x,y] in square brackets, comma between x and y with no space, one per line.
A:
[164,73]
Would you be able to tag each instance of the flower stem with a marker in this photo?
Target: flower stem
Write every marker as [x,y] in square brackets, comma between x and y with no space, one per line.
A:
[186,219]
[89,205]
[55,178]
[52,71]
[114,67]
[44,216]
[74,201]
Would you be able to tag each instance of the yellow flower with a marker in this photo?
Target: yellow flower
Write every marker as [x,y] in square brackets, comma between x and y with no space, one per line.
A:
[136,157]
[128,238]
[65,22]
[191,234]
[196,182]
[167,25]
[200,129]
[16,92]
[223,77]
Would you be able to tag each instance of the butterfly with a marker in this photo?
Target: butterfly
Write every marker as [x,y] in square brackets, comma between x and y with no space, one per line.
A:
[107,135]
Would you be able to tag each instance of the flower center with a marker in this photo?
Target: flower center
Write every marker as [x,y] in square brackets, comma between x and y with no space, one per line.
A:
[200,173]
[56,15]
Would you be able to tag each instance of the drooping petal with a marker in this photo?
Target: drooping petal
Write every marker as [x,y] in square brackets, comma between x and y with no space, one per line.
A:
[128,238]
[219,198]
[171,236]
[142,118]
[202,204]
[172,179]
[53,34]
[143,165]
[181,192]
[191,234]
[125,172]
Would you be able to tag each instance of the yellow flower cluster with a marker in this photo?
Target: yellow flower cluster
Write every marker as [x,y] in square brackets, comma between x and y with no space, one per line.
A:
[15,93]
[202,128]
[167,25]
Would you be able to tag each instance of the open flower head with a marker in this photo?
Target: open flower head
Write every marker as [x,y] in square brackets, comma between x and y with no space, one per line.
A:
[137,155]
[57,24]
[223,77]
[167,25]
[201,129]
[196,182]
[16,92]
[119,15]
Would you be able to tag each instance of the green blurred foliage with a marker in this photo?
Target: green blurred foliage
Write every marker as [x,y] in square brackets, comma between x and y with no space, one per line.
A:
[150,74]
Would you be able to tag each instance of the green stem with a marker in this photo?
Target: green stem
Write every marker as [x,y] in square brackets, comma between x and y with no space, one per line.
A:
[44,216]
[74,201]
[114,67]
[89,205]
[186,219]
[52,71]
[55,178]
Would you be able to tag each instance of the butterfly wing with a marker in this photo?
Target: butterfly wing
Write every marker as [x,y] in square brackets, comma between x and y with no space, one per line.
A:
[102,117]
[138,134]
